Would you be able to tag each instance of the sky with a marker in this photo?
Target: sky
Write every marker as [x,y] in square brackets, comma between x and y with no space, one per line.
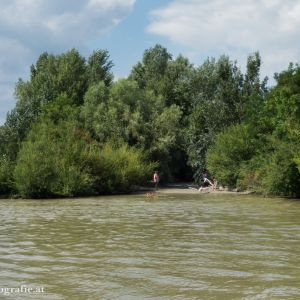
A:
[196,29]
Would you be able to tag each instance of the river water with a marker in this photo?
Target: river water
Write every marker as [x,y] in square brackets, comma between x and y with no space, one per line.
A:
[166,247]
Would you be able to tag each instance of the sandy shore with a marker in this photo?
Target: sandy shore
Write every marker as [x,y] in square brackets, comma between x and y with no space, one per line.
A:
[195,191]
[186,189]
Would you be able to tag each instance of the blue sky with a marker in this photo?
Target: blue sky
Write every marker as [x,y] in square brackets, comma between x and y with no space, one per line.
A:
[127,41]
[195,28]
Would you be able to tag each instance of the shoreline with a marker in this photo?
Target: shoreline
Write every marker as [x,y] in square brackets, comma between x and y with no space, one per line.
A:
[181,188]
[186,189]
[168,190]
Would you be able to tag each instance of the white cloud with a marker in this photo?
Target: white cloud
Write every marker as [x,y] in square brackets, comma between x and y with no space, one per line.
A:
[29,27]
[233,27]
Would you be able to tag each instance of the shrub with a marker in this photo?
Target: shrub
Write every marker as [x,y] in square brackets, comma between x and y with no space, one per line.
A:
[116,170]
[232,147]
[272,172]
[50,163]
[6,175]
[280,173]
[60,160]
[250,174]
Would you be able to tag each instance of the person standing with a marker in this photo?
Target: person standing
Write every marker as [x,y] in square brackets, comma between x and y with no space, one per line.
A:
[156,180]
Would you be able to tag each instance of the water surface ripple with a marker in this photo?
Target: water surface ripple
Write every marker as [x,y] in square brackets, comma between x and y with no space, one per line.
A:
[169,247]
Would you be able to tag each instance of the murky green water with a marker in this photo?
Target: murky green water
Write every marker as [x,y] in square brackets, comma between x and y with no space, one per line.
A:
[172,247]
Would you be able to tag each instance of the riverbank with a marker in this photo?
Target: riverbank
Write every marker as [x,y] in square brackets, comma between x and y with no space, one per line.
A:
[168,190]
[179,188]
[185,188]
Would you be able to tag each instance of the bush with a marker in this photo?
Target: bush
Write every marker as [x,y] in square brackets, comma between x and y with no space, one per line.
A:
[280,173]
[50,163]
[60,160]
[250,174]
[6,175]
[273,172]
[234,145]
[116,170]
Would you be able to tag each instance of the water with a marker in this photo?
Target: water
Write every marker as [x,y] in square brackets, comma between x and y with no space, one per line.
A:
[170,247]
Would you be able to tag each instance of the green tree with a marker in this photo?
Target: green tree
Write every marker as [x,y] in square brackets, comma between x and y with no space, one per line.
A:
[216,94]
[152,69]
[6,175]
[99,68]
[232,147]
[177,85]
[167,135]
[93,110]
[254,91]
[62,160]
[52,76]
[266,159]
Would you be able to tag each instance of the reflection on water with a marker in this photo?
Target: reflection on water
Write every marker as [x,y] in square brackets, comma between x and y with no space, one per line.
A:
[172,247]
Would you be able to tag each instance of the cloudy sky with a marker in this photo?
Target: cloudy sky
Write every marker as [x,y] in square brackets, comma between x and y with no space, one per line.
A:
[195,28]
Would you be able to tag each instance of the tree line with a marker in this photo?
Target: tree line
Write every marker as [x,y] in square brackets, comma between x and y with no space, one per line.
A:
[75,131]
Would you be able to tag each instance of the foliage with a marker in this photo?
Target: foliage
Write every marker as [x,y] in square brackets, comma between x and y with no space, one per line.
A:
[274,172]
[116,170]
[6,175]
[52,76]
[50,163]
[128,114]
[273,168]
[61,160]
[280,175]
[150,72]
[99,68]
[217,86]
[232,147]
[75,131]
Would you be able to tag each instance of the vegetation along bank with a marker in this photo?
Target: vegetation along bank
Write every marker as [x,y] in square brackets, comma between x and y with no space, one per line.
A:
[75,131]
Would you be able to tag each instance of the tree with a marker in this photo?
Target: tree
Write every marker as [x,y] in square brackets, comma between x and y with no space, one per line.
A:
[265,157]
[52,76]
[177,85]
[6,175]
[152,69]
[166,140]
[118,114]
[93,109]
[232,147]
[99,68]
[59,158]
[254,90]
[222,97]
[216,94]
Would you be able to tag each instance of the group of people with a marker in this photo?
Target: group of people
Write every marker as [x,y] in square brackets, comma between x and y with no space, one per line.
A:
[207,183]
